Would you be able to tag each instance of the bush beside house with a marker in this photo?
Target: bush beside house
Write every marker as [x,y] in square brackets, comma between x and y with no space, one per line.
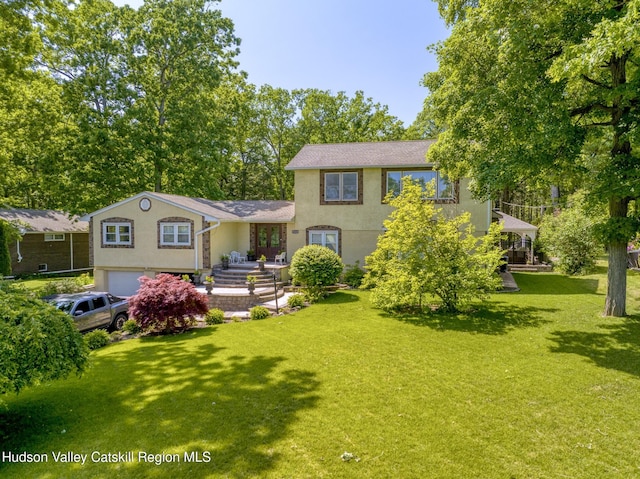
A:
[166,304]
[315,267]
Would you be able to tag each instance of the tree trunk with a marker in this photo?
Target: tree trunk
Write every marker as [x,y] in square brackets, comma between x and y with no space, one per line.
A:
[617,281]
[615,304]
[618,207]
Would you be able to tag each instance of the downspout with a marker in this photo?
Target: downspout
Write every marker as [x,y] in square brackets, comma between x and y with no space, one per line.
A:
[22,230]
[198,233]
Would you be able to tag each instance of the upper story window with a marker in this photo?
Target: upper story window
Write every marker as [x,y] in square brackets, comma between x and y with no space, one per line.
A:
[175,234]
[116,234]
[445,191]
[341,187]
[54,236]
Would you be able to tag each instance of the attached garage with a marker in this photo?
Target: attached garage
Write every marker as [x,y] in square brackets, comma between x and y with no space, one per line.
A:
[123,283]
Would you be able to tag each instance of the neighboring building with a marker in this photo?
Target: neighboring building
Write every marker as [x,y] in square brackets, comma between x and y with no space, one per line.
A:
[52,241]
[339,192]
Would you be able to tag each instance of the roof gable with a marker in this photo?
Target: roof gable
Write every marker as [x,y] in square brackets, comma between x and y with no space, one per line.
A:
[382,154]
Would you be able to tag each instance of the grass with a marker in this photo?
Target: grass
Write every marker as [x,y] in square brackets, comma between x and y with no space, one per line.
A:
[533,384]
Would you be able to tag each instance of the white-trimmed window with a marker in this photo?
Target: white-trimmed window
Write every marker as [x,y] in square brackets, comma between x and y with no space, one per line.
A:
[116,233]
[443,188]
[54,236]
[175,234]
[328,238]
[341,186]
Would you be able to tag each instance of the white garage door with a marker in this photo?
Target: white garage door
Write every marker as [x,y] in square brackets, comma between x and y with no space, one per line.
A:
[124,283]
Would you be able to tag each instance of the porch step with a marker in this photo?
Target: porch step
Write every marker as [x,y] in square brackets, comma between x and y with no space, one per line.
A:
[236,277]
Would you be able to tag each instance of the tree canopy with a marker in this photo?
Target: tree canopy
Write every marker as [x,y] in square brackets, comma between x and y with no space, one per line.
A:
[100,102]
[38,343]
[544,93]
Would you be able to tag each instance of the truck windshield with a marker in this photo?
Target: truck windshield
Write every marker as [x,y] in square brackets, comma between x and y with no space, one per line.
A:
[64,305]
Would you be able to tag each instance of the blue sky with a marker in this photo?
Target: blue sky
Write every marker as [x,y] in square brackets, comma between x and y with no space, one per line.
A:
[377,46]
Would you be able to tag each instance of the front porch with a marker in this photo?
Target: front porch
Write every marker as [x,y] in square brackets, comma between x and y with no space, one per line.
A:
[231,291]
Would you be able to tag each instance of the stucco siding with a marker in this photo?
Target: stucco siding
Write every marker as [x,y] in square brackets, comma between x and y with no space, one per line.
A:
[145,252]
[360,225]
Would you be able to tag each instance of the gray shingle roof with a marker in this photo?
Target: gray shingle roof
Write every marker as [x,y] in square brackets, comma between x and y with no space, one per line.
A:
[45,221]
[383,154]
[255,211]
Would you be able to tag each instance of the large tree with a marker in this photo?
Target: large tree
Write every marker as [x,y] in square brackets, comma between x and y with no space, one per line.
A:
[535,92]
[140,85]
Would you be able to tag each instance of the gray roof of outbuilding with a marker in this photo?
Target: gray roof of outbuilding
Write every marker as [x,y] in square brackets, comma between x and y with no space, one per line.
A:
[255,211]
[382,154]
[44,221]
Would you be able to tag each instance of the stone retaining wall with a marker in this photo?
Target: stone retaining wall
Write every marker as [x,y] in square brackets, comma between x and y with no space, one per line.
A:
[233,302]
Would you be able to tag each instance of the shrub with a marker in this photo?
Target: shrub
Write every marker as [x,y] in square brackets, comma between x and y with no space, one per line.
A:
[315,267]
[214,316]
[425,253]
[569,236]
[97,339]
[353,275]
[37,343]
[5,257]
[259,312]
[295,301]
[131,327]
[65,285]
[166,304]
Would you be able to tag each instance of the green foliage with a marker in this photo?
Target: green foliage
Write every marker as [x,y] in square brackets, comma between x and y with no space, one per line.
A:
[544,93]
[353,275]
[5,257]
[570,236]
[65,285]
[166,304]
[259,312]
[423,253]
[38,343]
[295,301]
[214,316]
[131,326]
[97,339]
[315,267]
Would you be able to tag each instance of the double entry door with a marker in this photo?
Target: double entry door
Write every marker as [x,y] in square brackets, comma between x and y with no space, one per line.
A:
[269,240]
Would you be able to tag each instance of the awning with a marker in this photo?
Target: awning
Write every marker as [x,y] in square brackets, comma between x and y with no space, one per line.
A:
[511,224]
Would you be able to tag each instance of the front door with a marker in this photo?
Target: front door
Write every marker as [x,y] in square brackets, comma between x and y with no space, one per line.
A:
[268,240]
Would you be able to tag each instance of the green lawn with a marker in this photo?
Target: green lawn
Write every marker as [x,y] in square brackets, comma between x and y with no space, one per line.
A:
[534,384]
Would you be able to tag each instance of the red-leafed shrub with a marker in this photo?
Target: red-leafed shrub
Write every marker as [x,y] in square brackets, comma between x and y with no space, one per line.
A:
[166,304]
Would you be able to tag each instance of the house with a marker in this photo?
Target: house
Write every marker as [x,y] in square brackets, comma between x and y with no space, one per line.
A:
[52,241]
[152,233]
[339,203]
[340,191]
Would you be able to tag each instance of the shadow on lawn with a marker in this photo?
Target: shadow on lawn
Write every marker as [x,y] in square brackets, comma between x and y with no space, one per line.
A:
[541,283]
[490,318]
[169,395]
[617,347]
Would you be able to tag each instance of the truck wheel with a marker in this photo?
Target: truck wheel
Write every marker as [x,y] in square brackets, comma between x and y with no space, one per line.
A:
[119,321]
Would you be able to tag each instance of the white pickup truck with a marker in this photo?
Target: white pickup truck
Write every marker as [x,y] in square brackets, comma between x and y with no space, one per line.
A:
[92,310]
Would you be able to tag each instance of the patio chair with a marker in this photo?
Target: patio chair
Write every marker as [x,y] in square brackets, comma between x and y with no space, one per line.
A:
[237,258]
[281,258]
